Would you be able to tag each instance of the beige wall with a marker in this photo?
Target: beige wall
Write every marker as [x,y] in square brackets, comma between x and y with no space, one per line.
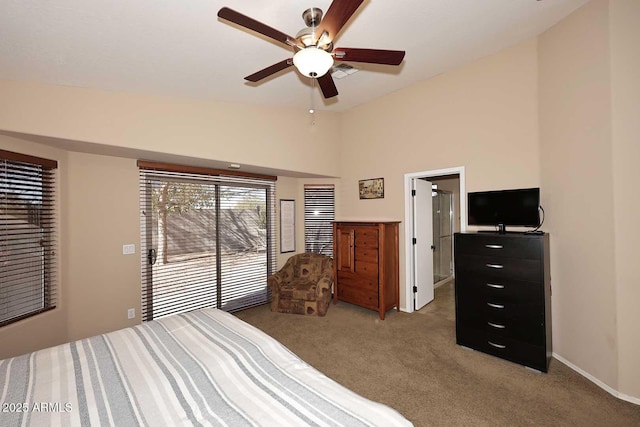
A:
[288,188]
[589,113]
[575,137]
[625,69]
[482,116]
[102,214]
[277,138]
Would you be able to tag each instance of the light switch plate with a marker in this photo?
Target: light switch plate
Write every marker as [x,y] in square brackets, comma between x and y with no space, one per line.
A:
[131,313]
[128,249]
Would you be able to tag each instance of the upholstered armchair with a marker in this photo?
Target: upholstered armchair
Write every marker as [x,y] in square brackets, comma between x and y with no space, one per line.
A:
[303,285]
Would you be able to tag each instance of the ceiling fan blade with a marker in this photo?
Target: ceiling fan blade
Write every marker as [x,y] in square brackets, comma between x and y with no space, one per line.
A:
[371,56]
[327,86]
[266,72]
[337,15]
[259,27]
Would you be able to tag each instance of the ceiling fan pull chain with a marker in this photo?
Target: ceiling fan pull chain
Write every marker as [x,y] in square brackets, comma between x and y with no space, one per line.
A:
[312,110]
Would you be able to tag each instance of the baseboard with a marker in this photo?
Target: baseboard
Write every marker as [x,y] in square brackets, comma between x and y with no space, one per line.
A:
[608,389]
[442,282]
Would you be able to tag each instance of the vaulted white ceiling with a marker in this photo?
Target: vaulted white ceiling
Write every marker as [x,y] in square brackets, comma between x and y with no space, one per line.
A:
[181,48]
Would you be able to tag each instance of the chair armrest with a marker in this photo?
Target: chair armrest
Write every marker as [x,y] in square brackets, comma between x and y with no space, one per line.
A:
[324,282]
[275,281]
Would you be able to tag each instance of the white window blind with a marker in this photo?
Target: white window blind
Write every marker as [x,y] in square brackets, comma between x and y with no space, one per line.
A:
[319,214]
[207,241]
[27,236]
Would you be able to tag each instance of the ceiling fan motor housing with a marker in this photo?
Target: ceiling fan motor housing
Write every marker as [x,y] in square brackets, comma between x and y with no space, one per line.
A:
[312,16]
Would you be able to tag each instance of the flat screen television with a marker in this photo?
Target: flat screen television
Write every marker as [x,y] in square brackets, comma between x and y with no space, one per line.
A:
[519,207]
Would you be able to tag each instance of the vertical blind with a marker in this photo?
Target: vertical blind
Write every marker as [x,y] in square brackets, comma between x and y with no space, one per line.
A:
[27,236]
[319,212]
[207,241]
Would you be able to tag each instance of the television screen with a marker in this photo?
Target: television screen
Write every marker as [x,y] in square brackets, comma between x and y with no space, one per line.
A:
[518,207]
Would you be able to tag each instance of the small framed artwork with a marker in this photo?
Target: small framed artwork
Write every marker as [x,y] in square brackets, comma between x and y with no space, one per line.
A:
[287,225]
[371,188]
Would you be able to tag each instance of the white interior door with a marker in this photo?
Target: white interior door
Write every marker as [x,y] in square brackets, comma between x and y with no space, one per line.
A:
[423,243]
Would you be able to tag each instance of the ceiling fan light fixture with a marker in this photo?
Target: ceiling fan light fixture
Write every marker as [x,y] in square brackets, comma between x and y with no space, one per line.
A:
[313,62]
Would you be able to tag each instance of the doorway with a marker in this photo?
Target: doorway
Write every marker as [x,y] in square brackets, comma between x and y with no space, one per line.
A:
[420,280]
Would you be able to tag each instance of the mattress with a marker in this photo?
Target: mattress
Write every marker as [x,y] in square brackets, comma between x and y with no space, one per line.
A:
[205,367]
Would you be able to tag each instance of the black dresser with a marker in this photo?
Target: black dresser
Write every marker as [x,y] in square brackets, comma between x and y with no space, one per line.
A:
[503,296]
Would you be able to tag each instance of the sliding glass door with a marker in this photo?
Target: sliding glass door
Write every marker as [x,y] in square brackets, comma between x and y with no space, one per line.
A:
[243,242]
[206,242]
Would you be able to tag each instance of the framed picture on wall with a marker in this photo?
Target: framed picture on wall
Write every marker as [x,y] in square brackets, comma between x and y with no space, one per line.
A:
[287,225]
[371,188]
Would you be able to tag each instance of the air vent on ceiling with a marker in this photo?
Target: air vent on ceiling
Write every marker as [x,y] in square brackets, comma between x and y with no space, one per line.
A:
[342,70]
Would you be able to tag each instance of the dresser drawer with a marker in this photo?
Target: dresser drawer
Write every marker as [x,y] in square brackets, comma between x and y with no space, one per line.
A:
[507,348]
[497,268]
[367,254]
[367,268]
[361,297]
[497,307]
[366,237]
[503,290]
[527,329]
[348,279]
[498,245]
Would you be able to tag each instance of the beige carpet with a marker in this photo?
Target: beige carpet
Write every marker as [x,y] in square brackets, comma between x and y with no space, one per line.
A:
[412,363]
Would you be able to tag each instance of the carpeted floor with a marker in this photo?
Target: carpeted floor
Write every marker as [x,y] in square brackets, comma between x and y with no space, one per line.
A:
[412,363]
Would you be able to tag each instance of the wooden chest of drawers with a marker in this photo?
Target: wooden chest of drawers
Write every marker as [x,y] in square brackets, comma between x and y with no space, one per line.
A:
[366,264]
[503,296]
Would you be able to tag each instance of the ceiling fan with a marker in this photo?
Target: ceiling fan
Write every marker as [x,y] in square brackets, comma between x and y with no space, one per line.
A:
[313,49]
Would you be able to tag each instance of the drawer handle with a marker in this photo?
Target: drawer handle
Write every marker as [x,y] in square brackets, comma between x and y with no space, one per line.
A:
[494,265]
[496,325]
[490,304]
[493,285]
[493,246]
[496,345]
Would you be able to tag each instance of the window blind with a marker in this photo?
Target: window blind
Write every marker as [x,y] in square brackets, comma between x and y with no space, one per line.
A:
[27,236]
[207,241]
[319,214]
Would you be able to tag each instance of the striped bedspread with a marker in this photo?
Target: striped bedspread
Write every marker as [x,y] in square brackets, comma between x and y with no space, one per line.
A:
[204,368]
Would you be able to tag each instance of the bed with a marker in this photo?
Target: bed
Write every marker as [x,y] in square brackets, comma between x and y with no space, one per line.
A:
[205,368]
